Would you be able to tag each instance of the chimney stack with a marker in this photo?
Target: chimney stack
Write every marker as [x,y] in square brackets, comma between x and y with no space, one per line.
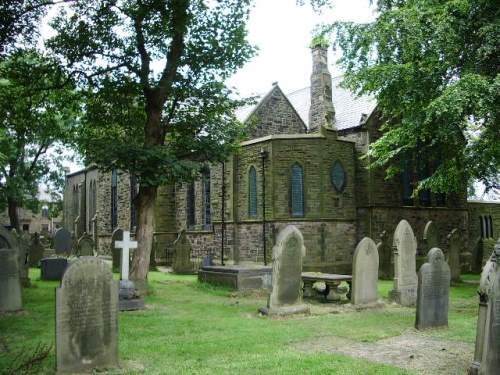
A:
[321,112]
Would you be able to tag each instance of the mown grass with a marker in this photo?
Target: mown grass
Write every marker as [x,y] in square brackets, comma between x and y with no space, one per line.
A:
[192,328]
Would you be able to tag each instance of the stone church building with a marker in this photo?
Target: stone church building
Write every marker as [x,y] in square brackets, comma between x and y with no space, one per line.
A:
[300,165]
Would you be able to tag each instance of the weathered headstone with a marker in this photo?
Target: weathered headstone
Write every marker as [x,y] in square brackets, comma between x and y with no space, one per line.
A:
[36,251]
[85,245]
[86,317]
[386,266]
[129,299]
[365,273]
[10,283]
[182,254]
[431,236]
[454,246]
[484,291]
[115,252]
[23,241]
[63,242]
[433,291]
[286,295]
[405,275]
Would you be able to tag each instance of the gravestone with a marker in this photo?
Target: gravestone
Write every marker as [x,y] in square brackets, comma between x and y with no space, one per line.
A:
[129,299]
[115,252]
[10,240]
[431,236]
[36,251]
[182,254]
[286,295]
[454,246]
[85,245]
[405,275]
[365,273]
[52,269]
[86,317]
[63,242]
[386,266]
[23,243]
[433,291]
[484,291]
[10,283]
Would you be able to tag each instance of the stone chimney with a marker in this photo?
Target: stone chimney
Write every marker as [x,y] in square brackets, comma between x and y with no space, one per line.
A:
[321,112]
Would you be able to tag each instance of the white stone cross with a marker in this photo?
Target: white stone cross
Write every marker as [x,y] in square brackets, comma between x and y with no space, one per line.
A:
[126,245]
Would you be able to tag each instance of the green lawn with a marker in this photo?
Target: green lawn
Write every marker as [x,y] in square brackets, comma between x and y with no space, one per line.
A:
[190,328]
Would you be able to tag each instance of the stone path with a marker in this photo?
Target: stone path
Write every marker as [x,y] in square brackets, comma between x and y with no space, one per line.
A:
[411,351]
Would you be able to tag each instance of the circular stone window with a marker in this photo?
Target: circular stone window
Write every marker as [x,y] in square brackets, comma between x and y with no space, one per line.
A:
[338,176]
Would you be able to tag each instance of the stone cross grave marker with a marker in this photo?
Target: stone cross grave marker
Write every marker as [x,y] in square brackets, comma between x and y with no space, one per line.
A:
[484,291]
[10,283]
[86,317]
[286,295]
[431,236]
[115,252]
[405,275]
[63,242]
[454,246]
[490,361]
[365,273]
[182,254]
[125,245]
[36,251]
[433,291]
[85,245]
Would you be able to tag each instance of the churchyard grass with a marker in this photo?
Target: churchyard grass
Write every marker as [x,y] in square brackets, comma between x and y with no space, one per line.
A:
[192,328]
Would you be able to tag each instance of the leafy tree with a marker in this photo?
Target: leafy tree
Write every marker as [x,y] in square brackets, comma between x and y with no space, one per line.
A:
[433,66]
[37,106]
[154,74]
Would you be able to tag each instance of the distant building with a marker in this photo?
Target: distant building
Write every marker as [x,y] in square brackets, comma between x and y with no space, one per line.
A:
[34,222]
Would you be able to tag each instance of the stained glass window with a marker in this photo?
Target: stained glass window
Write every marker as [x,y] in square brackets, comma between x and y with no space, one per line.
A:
[297,198]
[338,176]
[252,192]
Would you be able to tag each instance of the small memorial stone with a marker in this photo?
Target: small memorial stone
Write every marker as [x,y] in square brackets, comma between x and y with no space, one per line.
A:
[52,269]
[454,246]
[286,295]
[85,245]
[36,251]
[63,242]
[433,292]
[115,252]
[405,275]
[431,236]
[10,284]
[182,254]
[365,273]
[86,317]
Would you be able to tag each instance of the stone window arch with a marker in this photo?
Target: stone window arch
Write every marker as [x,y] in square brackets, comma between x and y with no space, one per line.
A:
[338,176]
[297,190]
[252,192]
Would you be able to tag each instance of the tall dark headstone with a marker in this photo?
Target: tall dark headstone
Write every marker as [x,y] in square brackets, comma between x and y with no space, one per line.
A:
[36,251]
[86,317]
[10,283]
[405,275]
[433,291]
[63,242]
[365,273]
[286,295]
[116,252]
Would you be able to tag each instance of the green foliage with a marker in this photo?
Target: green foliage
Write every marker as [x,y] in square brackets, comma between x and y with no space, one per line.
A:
[153,74]
[37,114]
[434,69]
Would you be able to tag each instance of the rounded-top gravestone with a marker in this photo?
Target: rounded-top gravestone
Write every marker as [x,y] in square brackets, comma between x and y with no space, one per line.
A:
[10,283]
[63,241]
[365,272]
[431,236]
[85,245]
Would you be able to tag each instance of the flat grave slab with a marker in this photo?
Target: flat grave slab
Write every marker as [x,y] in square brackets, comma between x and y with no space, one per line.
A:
[239,277]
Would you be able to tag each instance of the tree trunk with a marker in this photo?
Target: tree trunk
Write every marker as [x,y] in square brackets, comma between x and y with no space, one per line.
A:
[144,234]
[13,215]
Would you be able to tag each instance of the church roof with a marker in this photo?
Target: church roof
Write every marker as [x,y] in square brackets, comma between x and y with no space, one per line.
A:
[349,108]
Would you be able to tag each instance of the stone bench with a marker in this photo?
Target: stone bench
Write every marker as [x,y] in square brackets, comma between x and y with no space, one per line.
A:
[332,282]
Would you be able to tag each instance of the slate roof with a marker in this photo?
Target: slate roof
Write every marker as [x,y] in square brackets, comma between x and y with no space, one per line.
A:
[348,107]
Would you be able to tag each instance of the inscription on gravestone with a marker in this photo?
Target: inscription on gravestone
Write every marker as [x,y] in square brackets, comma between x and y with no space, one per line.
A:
[365,272]
[10,284]
[86,317]
[433,292]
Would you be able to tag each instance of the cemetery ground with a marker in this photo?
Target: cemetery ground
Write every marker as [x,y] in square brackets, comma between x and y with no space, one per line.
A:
[193,328]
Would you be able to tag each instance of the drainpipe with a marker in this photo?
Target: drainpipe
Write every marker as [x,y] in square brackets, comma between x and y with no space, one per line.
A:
[223,213]
[263,156]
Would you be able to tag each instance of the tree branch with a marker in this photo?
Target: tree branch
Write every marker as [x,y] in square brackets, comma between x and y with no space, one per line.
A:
[141,47]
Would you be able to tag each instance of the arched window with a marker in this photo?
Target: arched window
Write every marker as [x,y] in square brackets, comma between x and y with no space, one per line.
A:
[297,191]
[207,200]
[190,205]
[338,176]
[481,226]
[490,222]
[252,192]
[114,199]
